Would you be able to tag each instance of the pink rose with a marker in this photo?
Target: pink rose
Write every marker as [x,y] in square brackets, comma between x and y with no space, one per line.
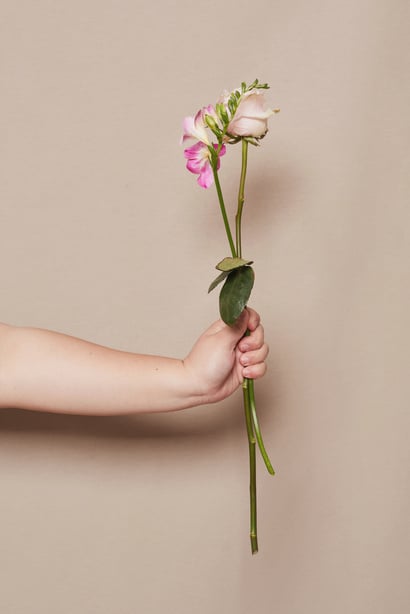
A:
[251,117]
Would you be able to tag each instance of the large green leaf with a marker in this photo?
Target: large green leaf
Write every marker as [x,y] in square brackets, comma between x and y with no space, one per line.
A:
[229,264]
[235,293]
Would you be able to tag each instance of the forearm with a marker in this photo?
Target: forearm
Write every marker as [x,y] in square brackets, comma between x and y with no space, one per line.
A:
[47,371]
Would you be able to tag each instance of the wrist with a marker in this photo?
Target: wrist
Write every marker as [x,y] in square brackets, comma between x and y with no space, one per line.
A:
[195,389]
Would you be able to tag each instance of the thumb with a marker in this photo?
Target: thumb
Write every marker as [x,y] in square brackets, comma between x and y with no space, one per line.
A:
[233,334]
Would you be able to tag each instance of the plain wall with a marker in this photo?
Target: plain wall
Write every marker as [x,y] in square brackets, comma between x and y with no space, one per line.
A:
[105,235]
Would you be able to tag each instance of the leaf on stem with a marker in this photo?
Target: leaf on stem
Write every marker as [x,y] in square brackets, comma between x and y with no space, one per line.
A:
[229,264]
[235,293]
[218,280]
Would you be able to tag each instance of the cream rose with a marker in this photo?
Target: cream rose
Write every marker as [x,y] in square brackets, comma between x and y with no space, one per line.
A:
[251,117]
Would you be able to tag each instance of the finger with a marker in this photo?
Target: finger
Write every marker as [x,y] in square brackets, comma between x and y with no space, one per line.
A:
[238,327]
[253,341]
[255,371]
[255,356]
[254,319]
[241,324]
[230,334]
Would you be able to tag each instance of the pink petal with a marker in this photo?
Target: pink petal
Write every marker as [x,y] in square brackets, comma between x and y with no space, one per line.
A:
[195,151]
[206,177]
[198,162]
[187,127]
[195,128]
[194,165]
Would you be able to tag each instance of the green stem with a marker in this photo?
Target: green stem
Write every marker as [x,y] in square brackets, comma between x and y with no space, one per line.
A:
[252,468]
[241,198]
[223,211]
[256,428]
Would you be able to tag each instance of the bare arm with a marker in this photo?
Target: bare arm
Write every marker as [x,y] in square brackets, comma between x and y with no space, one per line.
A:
[47,371]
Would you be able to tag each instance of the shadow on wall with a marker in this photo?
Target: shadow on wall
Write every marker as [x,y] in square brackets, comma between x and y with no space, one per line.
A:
[200,423]
[269,194]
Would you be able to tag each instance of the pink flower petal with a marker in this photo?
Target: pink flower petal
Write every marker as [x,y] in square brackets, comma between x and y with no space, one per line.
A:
[206,177]
[198,162]
[195,165]
[195,128]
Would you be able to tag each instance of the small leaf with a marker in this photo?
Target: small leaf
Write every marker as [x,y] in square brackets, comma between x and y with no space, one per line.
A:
[235,293]
[253,140]
[229,264]
[218,280]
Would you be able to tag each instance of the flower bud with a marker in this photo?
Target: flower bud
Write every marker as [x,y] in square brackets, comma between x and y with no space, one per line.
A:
[211,123]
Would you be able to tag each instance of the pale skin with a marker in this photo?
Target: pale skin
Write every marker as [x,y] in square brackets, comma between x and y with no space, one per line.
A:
[42,370]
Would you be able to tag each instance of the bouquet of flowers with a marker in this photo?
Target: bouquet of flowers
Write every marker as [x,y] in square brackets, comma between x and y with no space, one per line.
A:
[240,116]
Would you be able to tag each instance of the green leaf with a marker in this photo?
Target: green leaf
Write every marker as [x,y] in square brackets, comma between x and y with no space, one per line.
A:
[235,293]
[229,264]
[253,140]
[218,280]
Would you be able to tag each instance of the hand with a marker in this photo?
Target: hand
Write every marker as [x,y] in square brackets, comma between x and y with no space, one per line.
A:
[222,357]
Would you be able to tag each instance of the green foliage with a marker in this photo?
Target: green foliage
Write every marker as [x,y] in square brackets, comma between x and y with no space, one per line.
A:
[226,266]
[221,113]
[229,264]
[235,293]
[218,280]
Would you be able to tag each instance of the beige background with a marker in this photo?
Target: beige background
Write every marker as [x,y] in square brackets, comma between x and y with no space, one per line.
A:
[104,235]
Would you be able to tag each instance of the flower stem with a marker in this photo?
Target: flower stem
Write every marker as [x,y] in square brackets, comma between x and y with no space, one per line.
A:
[256,427]
[223,211]
[252,467]
[247,383]
[241,198]
[252,423]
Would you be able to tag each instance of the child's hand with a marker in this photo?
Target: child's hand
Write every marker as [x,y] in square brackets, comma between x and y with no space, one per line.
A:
[222,357]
